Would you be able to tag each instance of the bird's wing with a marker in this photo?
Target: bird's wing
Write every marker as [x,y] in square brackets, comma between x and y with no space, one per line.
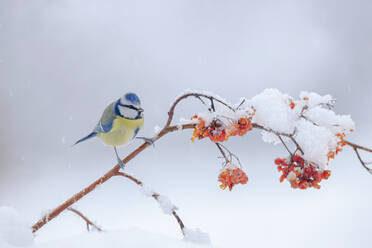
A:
[104,125]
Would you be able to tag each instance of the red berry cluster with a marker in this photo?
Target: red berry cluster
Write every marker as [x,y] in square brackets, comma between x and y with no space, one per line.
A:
[230,177]
[300,173]
[217,131]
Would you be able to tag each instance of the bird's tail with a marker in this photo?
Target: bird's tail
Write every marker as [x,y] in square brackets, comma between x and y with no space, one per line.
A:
[91,135]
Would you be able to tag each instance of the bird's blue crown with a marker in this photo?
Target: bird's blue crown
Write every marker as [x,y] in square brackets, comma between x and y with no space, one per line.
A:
[132,98]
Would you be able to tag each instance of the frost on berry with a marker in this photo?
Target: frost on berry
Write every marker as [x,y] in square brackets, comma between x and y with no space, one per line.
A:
[307,126]
[218,128]
[299,173]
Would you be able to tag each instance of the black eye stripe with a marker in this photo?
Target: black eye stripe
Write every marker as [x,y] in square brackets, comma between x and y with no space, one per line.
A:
[129,106]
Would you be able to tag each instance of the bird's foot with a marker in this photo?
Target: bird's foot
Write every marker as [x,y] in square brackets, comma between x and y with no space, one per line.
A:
[148,140]
[121,163]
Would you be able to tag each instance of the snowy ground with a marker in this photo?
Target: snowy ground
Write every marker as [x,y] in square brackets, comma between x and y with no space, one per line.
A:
[114,239]
[15,232]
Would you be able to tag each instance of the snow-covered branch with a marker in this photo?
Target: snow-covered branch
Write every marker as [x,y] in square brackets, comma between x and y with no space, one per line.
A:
[307,127]
[165,204]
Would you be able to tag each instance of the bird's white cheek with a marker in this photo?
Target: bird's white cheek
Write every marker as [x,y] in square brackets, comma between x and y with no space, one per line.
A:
[127,112]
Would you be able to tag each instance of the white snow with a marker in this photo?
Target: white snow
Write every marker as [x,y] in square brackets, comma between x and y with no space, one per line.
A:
[157,130]
[315,141]
[311,119]
[314,99]
[205,92]
[166,205]
[230,166]
[131,238]
[196,236]
[164,202]
[270,138]
[328,118]
[273,111]
[14,231]
[146,191]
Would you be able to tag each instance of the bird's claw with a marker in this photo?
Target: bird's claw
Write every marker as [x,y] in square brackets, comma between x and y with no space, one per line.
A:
[148,140]
[121,163]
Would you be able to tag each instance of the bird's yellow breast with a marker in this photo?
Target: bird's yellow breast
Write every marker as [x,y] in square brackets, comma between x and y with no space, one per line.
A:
[122,131]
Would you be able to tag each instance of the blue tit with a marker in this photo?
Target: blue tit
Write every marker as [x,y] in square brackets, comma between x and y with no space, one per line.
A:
[120,123]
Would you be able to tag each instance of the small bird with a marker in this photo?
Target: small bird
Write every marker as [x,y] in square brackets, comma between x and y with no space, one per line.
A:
[120,123]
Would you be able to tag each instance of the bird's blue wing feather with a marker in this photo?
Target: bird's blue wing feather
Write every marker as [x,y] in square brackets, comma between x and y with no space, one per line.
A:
[104,125]
[91,135]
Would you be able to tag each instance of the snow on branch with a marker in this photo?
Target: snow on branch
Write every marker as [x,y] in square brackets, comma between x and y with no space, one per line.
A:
[164,203]
[196,236]
[307,127]
[307,124]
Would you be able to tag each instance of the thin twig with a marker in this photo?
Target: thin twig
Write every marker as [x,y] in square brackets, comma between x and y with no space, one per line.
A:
[241,103]
[197,95]
[230,153]
[361,161]
[212,104]
[358,147]
[297,145]
[229,159]
[222,152]
[87,221]
[154,195]
[166,129]
[286,147]
[46,218]
[291,136]
[258,126]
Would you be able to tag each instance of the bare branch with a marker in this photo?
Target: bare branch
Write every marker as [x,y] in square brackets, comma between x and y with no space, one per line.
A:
[87,221]
[286,147]
[361,161]
[258,126]
[291,136]
[298,147]
[358,147]
[133,179]
[166,129]
[46,218]
[231,155]
[222,152]
[197,95]
[240,104]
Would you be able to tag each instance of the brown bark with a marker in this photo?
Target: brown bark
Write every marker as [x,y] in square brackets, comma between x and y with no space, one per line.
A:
[46,218]
[167,129]
[87,221]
